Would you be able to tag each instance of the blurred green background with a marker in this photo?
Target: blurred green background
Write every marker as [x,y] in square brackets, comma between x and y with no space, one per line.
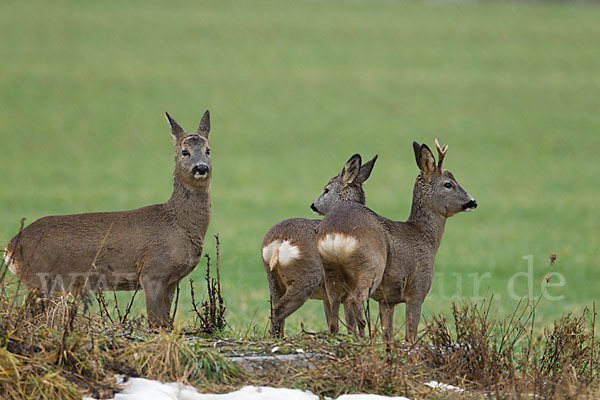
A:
[295,88]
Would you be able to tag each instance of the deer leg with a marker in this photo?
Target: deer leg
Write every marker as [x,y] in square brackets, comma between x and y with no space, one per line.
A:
[386,314]
[334,315]
[291,301]
[349,315]
[413,314]
[334,290]
[276,321]
[277,327]
[326,308]
[358,309]
[165,312]
[155,292]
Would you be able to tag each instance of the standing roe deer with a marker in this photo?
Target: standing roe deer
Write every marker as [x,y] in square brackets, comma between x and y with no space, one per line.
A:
[365,254]
[289,249]
[153,247]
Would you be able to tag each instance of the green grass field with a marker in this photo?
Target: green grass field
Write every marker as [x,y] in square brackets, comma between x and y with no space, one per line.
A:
[294,89]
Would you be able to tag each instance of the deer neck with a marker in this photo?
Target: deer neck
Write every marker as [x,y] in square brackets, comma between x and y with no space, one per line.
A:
[191,208]
[425,218]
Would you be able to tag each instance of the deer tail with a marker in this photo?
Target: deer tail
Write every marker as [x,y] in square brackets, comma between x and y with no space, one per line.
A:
[274,259]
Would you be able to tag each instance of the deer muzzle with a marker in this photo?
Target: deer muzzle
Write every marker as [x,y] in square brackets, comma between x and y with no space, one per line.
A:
[314,209]
[200,171]
[470,206]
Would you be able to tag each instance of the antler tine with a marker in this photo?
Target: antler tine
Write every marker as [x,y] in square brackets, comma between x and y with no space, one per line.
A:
[441,153]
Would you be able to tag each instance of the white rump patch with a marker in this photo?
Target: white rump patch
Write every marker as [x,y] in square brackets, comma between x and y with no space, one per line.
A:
[268,250]
[337,245]
[288,252]
[9,262]
[284,250]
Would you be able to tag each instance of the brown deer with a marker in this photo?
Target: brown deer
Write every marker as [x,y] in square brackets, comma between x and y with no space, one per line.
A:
[289,249]
[366,255]
[152,247]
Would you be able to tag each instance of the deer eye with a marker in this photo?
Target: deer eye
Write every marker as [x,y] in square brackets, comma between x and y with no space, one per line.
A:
[208,152]
[448,185]
[325,191]
[185,153]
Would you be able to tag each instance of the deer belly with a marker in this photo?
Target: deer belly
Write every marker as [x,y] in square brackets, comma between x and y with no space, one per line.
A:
[319,293]
[393,291]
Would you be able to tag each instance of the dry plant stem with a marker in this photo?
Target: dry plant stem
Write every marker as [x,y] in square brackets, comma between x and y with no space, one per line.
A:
[593,336]
[67,329]
[270,309]
[12,305]
[104,313]
[218,265]
[2,261]
[220,298]
[176,304]
[101,246]
[194,304]
[211,312]
[117,306]
[128,309]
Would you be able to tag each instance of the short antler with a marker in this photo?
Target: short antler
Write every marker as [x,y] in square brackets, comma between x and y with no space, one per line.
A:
[441,153]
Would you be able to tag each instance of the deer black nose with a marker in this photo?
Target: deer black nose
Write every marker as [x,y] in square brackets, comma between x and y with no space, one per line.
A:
[201,169]
[470,205]
[315,209]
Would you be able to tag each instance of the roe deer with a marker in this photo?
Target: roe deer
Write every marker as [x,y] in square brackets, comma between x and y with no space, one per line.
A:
[289,249]
[153,247]
[365,254]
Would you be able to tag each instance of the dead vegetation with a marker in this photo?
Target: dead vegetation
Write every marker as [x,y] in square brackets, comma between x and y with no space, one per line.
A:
[210,316]
[64,348]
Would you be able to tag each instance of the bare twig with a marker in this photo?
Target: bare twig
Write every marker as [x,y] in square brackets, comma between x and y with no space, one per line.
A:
[101,245]
[103,306]
[129,306]
[210,314]
[116,306]
[176,303]
[593,337]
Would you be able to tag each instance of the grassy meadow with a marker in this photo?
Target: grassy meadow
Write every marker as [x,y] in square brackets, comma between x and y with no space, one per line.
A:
[294,89]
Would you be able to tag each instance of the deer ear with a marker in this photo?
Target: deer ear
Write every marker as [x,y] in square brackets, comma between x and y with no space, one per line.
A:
[351,169]
[424,158]
[365,170]
[417,150]
[177,131]
[204,127]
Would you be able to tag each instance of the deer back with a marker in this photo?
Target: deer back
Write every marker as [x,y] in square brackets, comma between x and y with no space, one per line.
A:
[295,239]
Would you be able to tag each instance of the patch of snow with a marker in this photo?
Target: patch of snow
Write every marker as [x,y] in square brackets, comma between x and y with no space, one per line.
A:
[260,393]
[368,397]
[142,389]
[443,386]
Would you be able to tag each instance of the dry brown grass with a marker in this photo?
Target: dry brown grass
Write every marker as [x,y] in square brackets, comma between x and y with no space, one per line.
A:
[60,348]
[509,356]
